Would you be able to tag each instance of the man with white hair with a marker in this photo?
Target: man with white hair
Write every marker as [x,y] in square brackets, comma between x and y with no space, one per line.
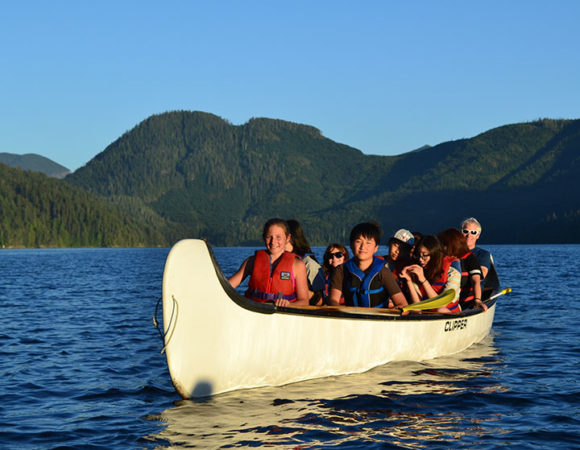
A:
[471,229]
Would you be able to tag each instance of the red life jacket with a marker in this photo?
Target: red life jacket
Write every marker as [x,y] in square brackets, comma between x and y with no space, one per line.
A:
[327,289]
[266,285]
[438,285]
[466,293]
[394,268]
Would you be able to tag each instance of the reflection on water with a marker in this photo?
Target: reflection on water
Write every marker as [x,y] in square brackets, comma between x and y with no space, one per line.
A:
[81,367]
[403,403]
[519,388]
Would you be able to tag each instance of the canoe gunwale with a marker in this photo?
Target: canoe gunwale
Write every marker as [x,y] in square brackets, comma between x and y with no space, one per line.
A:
[425,315]
[334,312]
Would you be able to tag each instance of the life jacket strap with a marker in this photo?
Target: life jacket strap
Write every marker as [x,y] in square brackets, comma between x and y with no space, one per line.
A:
[268,297]
[366,291]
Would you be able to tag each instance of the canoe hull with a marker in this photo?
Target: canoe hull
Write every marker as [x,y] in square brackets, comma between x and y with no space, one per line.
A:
[217,341]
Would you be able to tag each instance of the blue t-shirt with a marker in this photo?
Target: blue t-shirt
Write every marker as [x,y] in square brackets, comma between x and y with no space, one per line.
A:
[457,265]
[483,256]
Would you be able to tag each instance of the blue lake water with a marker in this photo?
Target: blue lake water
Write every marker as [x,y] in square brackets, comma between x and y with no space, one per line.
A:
[80,366]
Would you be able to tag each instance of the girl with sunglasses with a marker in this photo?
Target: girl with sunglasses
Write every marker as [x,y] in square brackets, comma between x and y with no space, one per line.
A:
[334,255]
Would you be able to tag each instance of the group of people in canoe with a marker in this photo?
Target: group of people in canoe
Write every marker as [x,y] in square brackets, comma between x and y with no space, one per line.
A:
[417,267]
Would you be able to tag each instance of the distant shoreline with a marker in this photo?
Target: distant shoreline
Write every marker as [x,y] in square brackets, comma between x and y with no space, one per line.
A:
[232,246]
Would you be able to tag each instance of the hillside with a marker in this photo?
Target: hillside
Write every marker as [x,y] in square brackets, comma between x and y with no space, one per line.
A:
[34,163]
[38,211]
[222,181]
[517,179]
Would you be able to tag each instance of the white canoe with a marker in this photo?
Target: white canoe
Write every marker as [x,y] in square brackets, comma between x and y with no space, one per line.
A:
[217,340]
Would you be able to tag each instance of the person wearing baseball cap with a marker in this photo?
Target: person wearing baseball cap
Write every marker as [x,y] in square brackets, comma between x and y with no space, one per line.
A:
[400,246]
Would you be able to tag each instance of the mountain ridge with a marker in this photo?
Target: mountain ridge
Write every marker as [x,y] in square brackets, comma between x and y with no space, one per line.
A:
[186,174]
[222,181]
[35,163]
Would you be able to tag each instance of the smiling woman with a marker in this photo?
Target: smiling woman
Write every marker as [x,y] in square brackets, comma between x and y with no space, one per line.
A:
[276,276]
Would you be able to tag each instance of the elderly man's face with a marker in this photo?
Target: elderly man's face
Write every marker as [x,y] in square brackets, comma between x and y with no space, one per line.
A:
[471,233]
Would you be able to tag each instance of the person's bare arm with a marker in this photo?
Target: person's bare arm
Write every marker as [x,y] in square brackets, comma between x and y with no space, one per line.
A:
[334,297]
[399,300]
[476,279]
[419,274]
[407,274]
[244,270]
[484,271]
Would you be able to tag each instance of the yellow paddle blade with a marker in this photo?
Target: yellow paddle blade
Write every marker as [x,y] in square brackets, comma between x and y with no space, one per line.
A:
[432,303]
[505,291]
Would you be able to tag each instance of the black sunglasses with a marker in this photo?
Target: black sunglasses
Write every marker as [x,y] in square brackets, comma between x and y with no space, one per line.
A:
[335,255]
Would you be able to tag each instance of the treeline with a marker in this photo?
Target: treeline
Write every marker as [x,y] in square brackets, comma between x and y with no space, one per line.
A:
[37,211]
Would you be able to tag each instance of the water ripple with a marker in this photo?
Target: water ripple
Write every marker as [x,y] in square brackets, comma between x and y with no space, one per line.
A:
[81,367]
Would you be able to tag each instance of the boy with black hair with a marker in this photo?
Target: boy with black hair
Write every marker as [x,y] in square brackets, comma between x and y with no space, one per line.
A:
[365,280]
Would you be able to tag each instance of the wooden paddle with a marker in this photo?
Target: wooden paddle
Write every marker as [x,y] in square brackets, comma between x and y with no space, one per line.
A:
[430,303]
[351,309]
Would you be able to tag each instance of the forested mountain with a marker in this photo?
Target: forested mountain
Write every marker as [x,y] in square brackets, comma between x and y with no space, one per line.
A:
[222,181]
[38,211]
[34,163]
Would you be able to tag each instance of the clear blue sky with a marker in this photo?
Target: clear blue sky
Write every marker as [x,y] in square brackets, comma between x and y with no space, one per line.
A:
[385,77]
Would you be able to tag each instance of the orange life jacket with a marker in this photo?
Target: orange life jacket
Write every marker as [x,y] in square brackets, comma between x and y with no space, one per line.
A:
[267,285]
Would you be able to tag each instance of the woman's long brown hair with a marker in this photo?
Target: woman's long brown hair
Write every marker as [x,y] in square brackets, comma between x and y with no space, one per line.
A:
[453,242]
[434,267]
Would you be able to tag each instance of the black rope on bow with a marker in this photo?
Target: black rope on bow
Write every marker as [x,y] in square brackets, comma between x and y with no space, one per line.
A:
[155,320]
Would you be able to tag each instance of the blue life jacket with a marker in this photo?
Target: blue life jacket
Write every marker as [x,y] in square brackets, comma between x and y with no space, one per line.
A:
[359,284]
